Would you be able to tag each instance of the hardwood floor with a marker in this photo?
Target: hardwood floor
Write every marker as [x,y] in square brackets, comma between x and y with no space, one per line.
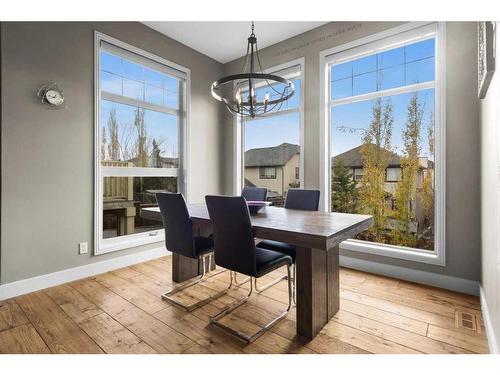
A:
[121,312]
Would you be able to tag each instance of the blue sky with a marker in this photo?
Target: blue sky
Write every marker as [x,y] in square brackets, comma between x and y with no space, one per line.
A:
[359,115]
[122,77]
[160,126]
[394,68]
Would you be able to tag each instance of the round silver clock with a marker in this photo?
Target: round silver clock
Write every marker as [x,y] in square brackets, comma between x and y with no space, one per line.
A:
[51,95]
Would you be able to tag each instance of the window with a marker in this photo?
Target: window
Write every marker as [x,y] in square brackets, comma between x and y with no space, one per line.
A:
[384,114]
[267,172]
[393,174]
[274,140]
[140,121]
[358,174]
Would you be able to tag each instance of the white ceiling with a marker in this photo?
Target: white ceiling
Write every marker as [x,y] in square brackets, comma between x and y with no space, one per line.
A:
[226,41]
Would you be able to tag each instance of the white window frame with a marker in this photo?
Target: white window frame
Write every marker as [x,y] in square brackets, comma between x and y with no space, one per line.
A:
[238,134]
[357,176]
[264,176]
[101,245]
[396,170]
[378,42]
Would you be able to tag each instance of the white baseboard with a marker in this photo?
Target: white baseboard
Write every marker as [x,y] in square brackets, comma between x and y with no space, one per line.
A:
[421,277]
[17,288]
[490,334]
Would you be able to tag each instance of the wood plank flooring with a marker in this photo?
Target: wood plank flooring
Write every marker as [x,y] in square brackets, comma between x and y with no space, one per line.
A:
[121,312]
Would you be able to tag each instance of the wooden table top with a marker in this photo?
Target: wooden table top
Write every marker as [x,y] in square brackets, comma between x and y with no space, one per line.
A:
[301,228]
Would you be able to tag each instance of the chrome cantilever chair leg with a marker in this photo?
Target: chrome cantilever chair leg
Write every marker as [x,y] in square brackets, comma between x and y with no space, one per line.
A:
[168,295]
[215,320]
[240,283]
[274,282]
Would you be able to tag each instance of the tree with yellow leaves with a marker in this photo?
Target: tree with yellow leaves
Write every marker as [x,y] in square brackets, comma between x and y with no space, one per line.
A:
[428,183]
[407,187]
[375,153]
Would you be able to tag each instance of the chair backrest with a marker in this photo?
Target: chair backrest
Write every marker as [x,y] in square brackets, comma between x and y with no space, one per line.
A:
[302,199]
[254,193]
[233,236]
[177,222]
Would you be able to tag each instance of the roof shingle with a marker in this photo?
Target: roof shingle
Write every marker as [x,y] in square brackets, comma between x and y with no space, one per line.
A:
[352,158]
[271,156]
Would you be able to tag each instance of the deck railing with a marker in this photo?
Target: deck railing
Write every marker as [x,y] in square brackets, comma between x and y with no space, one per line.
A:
[118,188]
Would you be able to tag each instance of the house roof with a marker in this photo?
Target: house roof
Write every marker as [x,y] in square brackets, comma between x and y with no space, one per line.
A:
[352,158]
[271,156]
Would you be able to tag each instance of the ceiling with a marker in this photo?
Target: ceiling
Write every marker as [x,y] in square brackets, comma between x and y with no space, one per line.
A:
[226,41]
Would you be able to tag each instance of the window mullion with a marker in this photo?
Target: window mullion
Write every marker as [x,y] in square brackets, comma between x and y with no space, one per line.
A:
[138,103]
[139,172]
[383,93]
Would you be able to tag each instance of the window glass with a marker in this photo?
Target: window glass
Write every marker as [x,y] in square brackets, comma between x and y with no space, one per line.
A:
[393,68]
[342,71]
[342,88]
[125,78]
[393,174]
[272,149]
[268,172]
[124,197]
[139,133]
[358,173]
[138,137]
[394,181]
[363,65]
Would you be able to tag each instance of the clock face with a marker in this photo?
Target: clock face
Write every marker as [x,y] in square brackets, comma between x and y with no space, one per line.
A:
[54,97]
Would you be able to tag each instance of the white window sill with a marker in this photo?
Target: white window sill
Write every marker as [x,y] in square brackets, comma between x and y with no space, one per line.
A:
[127,242]
[392,251]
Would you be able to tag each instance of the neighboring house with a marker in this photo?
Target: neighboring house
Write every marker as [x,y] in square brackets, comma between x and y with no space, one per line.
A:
[276,168]
[353,160]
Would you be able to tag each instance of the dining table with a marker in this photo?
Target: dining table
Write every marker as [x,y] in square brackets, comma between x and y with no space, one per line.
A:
[316,236]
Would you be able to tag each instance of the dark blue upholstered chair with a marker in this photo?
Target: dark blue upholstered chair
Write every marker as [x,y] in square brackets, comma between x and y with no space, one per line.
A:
[235,250]
[179,239]
[254,193]
[296,199]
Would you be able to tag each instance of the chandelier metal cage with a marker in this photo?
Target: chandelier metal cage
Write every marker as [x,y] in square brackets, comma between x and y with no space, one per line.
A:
[253,93]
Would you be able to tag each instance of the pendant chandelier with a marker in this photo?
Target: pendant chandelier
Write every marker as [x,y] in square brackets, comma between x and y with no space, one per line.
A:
[252,93]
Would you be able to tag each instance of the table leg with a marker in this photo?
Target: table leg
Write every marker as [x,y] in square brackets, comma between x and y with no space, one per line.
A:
[185,268]
[317,289]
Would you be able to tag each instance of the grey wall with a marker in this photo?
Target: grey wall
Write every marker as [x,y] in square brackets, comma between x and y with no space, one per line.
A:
[47,155]
[490,209]
[462,113]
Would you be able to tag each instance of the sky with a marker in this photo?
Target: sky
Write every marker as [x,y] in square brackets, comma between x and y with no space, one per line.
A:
[122,77]
[394,68]
[359,115]
[160,126]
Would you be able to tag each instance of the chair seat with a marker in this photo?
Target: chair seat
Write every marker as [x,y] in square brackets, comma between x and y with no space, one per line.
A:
[280,247]
[268,260]
[203,245]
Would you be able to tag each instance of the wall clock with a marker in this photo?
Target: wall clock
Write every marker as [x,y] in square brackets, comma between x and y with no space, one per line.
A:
[51,95]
